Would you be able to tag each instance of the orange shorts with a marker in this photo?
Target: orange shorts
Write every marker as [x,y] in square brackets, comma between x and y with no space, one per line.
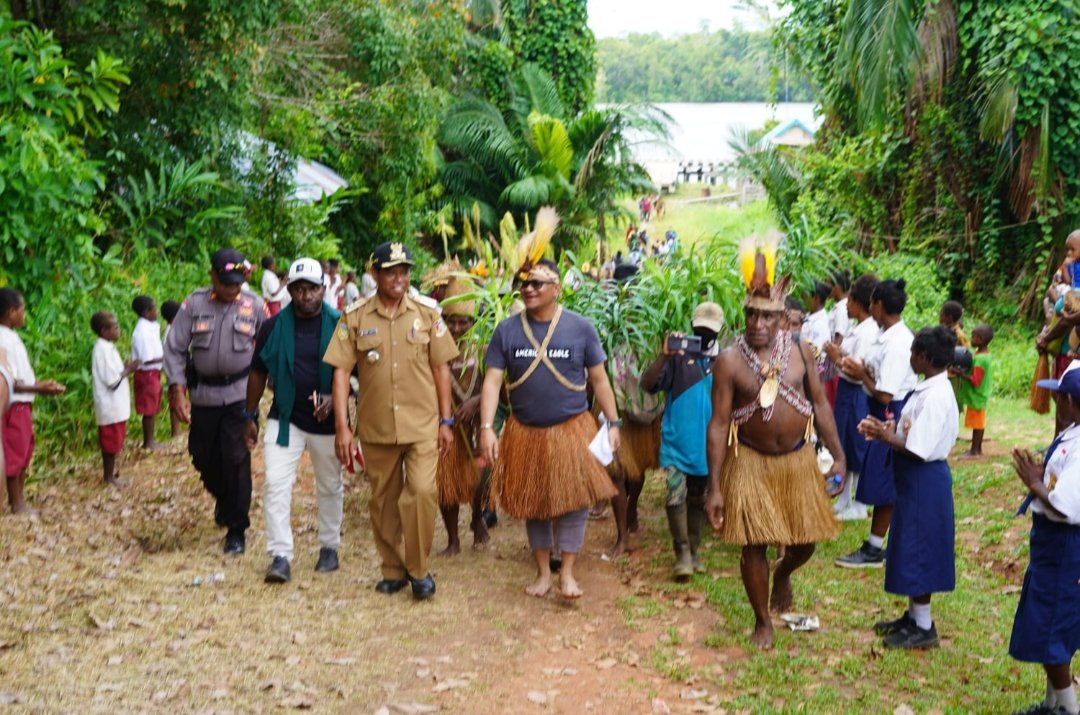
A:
[975,419]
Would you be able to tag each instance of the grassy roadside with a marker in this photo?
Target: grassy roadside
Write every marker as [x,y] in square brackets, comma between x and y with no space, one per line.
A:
[843,667]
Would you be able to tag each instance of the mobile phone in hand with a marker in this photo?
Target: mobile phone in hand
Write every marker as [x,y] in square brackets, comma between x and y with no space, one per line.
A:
[686,343]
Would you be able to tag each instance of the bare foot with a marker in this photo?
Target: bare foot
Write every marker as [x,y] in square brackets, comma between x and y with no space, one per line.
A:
[480,533]
[540,587]
[619,549]
[782,596]
[118,482]
[568,587]
[451,550]
[154,446]
[762,636]
[970,455]
[25,510]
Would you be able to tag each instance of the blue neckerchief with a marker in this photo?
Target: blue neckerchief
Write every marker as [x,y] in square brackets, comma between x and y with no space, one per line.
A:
[1046,460]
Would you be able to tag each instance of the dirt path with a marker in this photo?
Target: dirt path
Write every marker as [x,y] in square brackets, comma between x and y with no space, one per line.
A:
[102,612]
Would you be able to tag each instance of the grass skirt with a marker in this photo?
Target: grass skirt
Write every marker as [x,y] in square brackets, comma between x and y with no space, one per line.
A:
[639,450]
[545,472]
[775,499]
[456,474]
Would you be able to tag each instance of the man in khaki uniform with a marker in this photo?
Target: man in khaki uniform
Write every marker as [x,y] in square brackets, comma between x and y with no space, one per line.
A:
[402,350]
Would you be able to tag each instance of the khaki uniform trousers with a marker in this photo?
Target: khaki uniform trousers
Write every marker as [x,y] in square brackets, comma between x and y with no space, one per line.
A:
[404,504]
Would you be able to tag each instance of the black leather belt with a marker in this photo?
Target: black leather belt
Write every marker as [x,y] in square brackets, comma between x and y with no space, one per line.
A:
[223,380]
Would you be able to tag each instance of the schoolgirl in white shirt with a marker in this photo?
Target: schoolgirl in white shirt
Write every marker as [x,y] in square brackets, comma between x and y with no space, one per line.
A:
[921,556]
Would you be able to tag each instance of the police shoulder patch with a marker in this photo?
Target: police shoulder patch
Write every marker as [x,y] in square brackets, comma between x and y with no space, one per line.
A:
[342,331]
[440,328]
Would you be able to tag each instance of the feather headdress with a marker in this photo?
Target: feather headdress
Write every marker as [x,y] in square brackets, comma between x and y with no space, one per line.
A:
[532,245]
[757,263]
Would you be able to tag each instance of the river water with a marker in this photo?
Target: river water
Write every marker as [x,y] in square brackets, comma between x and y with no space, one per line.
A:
[701,131]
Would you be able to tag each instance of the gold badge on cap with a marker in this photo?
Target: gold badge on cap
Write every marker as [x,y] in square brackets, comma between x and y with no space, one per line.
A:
[397,252]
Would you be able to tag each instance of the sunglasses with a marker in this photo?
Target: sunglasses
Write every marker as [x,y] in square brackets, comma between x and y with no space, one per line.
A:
[535,284]
[230,267]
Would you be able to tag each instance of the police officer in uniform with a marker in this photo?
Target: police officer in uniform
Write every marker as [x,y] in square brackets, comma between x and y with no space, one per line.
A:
[402,350]
[208,351]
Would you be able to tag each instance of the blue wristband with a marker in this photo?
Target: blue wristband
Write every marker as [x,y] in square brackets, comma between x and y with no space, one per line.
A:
[448,421]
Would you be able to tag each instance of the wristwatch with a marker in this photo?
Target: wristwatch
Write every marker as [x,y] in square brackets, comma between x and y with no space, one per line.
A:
[448,421]
[250,415]
[615,423]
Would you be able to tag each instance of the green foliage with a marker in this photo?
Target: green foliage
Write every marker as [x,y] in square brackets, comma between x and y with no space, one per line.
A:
[721,66]
[925,286]
[48,184]
[554,34]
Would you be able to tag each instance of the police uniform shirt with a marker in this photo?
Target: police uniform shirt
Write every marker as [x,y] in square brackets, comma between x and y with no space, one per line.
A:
[394,356]
[891,361]
[930,421]
[1062,479]
[221,339]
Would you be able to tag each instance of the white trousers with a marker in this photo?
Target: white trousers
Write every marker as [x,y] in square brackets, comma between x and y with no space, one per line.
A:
[281,466]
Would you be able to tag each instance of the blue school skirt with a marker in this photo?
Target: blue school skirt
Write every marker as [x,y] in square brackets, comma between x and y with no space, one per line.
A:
[921,554]
[1047,624]
[876,485]
[850,409]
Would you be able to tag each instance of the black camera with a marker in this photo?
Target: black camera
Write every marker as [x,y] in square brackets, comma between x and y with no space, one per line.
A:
[686,343]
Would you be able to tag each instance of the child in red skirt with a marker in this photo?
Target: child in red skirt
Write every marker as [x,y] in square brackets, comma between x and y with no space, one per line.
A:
[146,348]
[18,431]
[112,398]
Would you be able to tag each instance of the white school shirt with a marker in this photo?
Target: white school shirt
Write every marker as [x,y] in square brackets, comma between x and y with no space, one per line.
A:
[271,285]
[890,361]
[333,287]
[146,345]
[110,406]
[1062,478]
[859,344]
[19,360]
[930,421]
[816,329]
[838,319]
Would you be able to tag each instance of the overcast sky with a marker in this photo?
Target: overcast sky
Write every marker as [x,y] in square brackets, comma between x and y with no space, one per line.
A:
[612,18]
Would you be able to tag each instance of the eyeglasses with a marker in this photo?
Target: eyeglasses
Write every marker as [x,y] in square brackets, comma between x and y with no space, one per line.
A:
[535,284]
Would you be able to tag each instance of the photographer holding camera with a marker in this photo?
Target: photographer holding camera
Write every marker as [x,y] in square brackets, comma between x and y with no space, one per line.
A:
[683,371]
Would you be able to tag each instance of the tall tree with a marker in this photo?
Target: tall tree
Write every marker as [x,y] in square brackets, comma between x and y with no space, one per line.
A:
[555,35]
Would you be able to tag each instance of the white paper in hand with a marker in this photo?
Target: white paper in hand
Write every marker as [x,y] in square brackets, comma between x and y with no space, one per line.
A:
[601,446]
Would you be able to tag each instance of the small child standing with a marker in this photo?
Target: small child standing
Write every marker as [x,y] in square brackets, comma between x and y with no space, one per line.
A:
[1046,629]
[169,309]
[18,430]
[112,398]
[147,350]
[950,316]
[921,556]
[975,387]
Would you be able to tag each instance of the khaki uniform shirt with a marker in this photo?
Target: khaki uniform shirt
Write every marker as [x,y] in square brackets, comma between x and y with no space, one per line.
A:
[221,341]
[394,356]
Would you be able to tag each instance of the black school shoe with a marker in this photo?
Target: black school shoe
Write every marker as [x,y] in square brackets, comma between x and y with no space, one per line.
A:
[391,585]
[234,544]
[328,560]
[887,628]
[279,571]
[864,557]
[422,587]
[911,637]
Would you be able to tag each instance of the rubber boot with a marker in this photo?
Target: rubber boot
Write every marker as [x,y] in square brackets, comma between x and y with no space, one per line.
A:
[695,527]
[684,562]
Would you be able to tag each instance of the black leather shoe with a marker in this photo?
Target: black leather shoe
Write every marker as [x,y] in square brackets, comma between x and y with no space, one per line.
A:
[391,585]
[234,544]
[422,587]
[279,571]
[327,560]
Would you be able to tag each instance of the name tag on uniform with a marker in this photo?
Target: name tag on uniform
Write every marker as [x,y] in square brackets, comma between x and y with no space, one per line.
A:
[201,326]
[367,331]
[247,310]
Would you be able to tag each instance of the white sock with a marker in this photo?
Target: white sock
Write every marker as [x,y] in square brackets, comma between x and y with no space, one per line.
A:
[1051,695]
[876,541]
[1066,699]
[920,613]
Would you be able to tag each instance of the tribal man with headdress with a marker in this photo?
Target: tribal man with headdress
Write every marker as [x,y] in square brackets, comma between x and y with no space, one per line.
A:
[458,476]
[543,469]
[764,483]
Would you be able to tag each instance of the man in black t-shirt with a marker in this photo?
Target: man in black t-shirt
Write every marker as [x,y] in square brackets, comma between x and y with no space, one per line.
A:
[289,348]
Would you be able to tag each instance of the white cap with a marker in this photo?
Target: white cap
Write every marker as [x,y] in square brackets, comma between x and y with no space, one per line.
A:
[305,269]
